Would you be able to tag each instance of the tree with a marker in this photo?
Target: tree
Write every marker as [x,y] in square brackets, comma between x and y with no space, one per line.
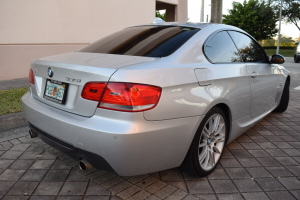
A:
[256,18]
[162,16]
[290,10]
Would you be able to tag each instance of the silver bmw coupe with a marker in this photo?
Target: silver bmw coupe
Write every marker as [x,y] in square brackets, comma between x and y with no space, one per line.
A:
[154,97]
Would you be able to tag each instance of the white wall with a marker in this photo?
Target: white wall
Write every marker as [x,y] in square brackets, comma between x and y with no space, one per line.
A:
[30,29]
[69,21]
[16,59]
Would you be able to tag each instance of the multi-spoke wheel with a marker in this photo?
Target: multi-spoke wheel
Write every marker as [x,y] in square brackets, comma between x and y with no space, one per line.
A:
[212,142]
[208,144]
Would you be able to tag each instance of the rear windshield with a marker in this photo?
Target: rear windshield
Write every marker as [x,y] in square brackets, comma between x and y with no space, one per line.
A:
[148,41]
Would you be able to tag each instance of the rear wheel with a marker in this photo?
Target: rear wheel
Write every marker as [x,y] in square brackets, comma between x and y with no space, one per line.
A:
[285,97]
[208,144]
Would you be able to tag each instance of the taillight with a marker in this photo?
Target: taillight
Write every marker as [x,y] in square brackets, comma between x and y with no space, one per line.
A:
[31,76]
[128,97]
[93,90]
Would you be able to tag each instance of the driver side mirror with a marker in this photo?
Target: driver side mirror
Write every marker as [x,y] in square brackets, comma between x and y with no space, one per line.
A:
[277,59]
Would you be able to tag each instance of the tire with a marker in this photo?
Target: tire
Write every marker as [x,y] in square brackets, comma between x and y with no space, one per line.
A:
[296,59]
[208,144]
[285,97]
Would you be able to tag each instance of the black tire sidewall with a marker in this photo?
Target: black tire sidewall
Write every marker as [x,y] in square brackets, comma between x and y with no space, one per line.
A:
[296,59]
[285,96]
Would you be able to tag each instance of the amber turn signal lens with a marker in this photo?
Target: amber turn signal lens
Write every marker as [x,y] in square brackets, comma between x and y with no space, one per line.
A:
[31,76]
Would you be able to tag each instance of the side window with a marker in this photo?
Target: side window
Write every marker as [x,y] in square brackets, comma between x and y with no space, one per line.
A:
[250,51]
[221,49]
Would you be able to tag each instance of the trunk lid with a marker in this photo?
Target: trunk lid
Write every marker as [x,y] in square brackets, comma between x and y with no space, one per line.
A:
[71,72]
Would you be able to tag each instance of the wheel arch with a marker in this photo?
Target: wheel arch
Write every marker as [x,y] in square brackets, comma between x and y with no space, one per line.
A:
[225,108]
[189,164]
[288,78]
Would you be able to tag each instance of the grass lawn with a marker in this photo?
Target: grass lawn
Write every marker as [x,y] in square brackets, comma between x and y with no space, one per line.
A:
[10,100]
[284,52]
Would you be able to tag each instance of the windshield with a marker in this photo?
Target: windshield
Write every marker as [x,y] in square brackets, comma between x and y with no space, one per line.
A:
[148,41]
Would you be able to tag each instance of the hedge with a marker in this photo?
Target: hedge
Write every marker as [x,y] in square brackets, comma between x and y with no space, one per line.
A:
[274,47]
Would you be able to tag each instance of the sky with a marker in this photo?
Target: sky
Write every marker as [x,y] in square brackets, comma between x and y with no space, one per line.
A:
[289,30]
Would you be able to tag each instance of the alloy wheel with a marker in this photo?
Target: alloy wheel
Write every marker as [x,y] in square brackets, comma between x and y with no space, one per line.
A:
[212,141]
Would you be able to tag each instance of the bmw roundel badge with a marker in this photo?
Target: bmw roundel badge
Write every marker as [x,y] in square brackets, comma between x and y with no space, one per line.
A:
[50,72]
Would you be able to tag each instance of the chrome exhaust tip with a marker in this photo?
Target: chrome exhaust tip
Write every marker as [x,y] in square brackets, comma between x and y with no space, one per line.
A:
[84,165]
[32,134]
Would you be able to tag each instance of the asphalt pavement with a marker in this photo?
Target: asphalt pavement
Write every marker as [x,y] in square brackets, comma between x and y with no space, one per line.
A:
[263,163]
[294,69]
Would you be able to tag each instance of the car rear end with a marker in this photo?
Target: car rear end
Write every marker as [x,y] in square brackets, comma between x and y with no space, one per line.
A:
[64,98]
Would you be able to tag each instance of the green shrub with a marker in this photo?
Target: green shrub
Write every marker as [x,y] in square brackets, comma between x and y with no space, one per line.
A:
[281,47]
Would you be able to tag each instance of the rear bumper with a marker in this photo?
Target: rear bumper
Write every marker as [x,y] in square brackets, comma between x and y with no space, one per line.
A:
[120,142]
[76,153]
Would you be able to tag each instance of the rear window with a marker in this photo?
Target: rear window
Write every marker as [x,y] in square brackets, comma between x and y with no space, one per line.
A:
[148,41]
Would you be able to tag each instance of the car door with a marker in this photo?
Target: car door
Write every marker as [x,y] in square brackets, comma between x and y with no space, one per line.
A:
[264,81]
[229,73]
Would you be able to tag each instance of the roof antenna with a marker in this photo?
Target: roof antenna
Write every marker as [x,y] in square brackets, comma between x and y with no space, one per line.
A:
[157,20]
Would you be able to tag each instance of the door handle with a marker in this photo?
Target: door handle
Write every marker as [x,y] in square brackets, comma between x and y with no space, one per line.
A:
[253,75]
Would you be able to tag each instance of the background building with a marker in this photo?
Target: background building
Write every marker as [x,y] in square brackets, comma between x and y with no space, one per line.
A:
[33,28]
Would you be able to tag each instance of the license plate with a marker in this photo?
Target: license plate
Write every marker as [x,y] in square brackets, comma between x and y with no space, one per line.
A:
[56,91]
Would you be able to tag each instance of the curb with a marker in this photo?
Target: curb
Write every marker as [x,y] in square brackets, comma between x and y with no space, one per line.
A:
[12,120]
[15,83]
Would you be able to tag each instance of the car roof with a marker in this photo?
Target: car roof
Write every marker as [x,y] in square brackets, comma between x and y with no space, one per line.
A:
[184,24]
[199,25]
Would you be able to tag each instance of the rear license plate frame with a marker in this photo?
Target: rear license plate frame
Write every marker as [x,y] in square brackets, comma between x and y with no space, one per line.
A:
[61,93]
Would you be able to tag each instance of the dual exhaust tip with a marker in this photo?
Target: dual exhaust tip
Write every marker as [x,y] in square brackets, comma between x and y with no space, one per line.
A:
[32,134]
[83,164]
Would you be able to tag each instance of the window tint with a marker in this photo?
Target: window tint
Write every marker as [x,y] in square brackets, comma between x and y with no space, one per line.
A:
[149,41]
[221,49]
[250,51]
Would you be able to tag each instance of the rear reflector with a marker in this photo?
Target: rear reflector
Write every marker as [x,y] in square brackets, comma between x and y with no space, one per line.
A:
[31,76]
[128,97]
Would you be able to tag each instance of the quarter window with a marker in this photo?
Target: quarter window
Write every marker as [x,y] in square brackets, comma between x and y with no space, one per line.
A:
[221,49]
[250,51]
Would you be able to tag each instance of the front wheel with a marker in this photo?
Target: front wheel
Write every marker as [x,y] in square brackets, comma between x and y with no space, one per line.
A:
[296,59]
[208,144]
[285,97]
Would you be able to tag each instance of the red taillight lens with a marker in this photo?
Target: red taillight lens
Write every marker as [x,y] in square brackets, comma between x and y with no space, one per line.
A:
[31,76]
[129,97]
[93,90]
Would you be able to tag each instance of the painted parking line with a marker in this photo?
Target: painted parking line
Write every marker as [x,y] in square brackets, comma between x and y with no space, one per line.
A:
[297,88]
